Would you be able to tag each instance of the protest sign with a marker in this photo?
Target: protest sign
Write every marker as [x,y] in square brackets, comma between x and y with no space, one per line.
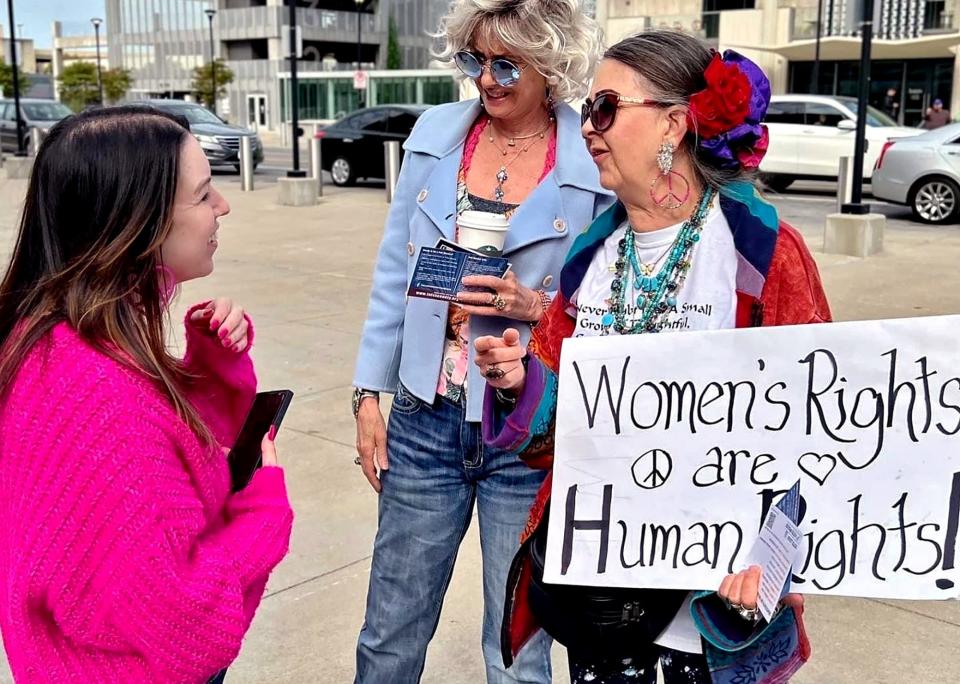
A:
[671,448]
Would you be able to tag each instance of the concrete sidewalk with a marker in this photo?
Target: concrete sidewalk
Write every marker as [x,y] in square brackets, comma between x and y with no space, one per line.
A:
[304,274]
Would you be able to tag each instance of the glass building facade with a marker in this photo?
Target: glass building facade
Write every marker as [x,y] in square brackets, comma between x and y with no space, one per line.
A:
[160,41]
[917,82]
[325,97]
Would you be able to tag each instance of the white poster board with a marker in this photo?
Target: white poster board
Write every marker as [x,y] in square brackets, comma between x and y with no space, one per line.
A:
[670,448]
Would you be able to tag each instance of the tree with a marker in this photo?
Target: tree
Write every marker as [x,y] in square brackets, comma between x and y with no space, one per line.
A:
[116,83]
[394,61]
[79,87]
[6,79]
[202,85]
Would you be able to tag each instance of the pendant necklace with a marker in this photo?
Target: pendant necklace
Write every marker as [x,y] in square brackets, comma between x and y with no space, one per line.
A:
[657,292]
[502,175]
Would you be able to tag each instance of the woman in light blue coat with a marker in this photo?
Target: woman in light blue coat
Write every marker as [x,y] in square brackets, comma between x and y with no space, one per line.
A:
[516,151]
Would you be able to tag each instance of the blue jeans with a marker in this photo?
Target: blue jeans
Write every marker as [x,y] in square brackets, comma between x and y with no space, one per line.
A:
[439,467]
[218,678]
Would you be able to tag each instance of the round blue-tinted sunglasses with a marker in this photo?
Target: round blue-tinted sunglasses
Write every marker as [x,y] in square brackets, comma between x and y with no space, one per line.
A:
[504,71]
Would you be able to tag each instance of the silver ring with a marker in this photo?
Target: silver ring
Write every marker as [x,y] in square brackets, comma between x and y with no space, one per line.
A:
[748,614]
[356,461]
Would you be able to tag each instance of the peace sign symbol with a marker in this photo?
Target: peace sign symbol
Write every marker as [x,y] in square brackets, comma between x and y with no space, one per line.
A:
[671,197]
[652,469]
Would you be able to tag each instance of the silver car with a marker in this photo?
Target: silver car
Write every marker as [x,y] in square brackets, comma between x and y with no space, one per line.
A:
[922,173]
[42,114]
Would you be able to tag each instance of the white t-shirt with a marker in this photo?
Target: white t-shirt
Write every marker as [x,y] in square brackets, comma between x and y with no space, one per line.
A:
[707,301]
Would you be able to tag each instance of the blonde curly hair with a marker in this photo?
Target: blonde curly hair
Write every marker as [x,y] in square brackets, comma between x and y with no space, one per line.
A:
[556,37]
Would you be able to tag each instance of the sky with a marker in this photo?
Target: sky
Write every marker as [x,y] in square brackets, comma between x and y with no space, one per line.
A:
[37,16]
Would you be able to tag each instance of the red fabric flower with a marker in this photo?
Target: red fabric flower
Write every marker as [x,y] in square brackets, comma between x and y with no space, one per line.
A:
[724,104]
[751,157]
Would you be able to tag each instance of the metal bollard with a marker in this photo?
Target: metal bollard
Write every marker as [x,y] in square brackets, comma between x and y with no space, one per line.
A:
[246,163]
[316,164]
[391,166]
[844,181]
[36,138]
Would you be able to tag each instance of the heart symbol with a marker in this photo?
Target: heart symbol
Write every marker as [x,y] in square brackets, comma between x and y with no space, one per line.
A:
[813,465]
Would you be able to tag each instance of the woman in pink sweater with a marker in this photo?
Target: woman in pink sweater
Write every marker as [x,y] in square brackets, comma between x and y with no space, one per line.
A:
[123,555]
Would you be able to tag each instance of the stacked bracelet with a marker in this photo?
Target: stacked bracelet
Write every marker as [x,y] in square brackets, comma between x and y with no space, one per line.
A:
[545,302]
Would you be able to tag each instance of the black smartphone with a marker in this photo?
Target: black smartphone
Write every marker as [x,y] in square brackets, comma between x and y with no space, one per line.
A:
[267,411]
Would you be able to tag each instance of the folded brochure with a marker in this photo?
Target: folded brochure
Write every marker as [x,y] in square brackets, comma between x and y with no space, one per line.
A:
[775,551]
[440,270]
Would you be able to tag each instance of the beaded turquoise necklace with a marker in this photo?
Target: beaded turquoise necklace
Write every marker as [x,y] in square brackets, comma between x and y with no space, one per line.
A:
[658,293]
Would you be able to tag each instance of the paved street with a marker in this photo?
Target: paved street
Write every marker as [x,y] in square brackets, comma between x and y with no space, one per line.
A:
[304,274]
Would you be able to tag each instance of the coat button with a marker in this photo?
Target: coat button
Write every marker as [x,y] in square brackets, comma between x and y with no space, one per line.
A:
[559,225]
[548,281]
[410,248]
[422,196]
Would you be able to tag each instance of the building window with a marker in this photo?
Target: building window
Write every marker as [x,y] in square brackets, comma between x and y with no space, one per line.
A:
[916,82]
[396,91]
[438,90]
[934,16]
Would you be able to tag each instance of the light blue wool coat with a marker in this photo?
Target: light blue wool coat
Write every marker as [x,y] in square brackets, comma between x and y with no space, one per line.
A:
[403,338]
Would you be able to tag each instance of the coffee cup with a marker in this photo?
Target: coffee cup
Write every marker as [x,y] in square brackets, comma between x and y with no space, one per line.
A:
[483,231]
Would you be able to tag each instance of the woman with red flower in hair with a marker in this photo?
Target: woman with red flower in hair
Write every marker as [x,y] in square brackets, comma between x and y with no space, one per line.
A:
[676,132]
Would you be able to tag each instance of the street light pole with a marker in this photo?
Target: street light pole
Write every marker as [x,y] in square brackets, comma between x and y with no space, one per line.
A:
[96,30]
[359,4]
[815,86]
[294,95]
[856,205]
[213,63]
[21,138]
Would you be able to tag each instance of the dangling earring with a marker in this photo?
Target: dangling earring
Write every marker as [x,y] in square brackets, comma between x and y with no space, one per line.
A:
[551,102]
[677,190]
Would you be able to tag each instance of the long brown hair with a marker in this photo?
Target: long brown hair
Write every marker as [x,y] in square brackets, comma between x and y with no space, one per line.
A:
[99,205]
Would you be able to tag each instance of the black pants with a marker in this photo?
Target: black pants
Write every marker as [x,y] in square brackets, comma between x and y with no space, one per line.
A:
[678,668]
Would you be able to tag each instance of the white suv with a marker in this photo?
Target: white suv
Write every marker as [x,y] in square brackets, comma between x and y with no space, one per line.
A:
[809,134]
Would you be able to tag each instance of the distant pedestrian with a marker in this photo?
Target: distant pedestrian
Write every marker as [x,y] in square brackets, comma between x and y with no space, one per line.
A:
[123,555]
[516,152]
[891,104]
[936,116]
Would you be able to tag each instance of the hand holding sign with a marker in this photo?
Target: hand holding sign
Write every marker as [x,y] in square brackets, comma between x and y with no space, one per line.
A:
[500,360]
[742,589]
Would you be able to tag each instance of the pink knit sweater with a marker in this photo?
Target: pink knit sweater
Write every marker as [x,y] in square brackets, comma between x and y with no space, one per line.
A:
[123,555]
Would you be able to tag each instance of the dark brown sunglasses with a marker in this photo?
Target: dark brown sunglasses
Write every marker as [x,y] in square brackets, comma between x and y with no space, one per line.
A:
[602,110]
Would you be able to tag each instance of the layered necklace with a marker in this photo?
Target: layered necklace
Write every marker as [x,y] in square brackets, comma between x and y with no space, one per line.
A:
[502,175]
[657,291]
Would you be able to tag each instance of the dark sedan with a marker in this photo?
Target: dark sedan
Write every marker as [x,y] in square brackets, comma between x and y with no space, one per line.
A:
[352,147]
[220,141]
